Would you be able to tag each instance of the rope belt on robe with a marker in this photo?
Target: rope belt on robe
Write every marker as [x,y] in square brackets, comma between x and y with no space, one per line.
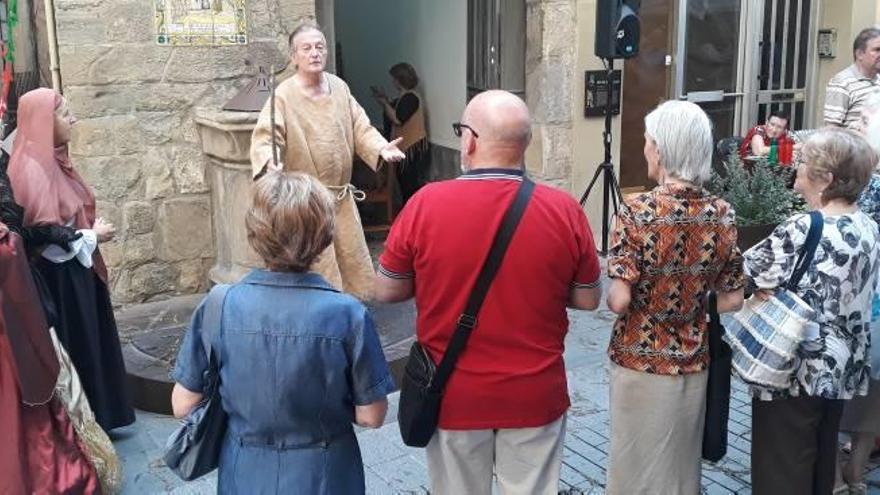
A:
[348,189]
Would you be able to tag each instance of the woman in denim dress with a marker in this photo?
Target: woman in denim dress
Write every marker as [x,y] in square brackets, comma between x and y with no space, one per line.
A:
[300,362]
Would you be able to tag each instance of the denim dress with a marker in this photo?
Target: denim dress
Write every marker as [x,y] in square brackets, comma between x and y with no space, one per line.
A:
[296,356]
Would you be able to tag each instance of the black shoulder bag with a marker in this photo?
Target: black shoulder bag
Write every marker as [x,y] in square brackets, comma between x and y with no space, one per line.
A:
[193,450]
[718,387]
[421,389]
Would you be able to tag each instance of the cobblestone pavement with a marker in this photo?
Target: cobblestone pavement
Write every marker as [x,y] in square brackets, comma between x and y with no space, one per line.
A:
[392,468]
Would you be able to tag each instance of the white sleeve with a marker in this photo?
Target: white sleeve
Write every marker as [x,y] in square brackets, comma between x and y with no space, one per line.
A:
[81,249]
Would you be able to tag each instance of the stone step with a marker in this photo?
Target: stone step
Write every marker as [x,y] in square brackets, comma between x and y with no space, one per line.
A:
[151,333]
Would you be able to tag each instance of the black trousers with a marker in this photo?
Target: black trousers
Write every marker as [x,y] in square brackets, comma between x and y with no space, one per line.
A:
[794,445]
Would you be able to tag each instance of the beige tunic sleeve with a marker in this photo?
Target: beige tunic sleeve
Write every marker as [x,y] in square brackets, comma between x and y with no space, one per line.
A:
[368,142]
[261,139]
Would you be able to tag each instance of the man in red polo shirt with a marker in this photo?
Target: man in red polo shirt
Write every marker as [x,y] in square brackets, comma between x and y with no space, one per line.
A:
[504,406]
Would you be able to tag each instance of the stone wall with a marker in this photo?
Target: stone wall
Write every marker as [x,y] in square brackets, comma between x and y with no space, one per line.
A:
[136,141]
[551,58]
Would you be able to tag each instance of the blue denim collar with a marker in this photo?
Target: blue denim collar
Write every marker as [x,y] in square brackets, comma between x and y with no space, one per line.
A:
[307,280]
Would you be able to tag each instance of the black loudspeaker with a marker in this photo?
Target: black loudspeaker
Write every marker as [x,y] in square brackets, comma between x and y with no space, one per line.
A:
[617,28]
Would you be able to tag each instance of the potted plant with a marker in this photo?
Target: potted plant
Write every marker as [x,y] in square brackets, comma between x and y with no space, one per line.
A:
[759,194]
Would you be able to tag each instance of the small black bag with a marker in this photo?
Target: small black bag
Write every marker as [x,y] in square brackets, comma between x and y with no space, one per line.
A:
[718,388]
[193,450]
[421,390]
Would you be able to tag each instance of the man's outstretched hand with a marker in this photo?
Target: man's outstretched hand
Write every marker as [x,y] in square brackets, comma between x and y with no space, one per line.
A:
[391,153]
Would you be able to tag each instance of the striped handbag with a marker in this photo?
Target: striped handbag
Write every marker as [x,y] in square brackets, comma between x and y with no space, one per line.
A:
[765,335]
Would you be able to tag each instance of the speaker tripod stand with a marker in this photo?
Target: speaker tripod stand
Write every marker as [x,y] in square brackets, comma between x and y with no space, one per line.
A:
[611,195]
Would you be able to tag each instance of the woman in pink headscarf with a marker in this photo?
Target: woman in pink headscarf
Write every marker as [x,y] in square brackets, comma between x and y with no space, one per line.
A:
[52,193]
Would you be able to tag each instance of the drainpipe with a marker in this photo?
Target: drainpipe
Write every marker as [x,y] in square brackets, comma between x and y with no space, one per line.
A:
[54,64]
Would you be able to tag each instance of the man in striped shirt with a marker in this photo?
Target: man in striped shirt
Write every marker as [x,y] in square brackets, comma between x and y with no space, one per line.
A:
[850,88]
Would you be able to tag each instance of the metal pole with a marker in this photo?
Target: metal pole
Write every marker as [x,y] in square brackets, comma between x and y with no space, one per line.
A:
[54,65]
[272,116]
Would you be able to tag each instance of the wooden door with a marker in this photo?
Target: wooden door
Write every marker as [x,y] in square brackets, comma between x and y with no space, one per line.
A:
[646,82]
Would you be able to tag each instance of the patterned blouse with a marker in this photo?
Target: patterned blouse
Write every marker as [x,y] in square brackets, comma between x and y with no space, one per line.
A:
[672,245]
[869,201]
[840,281]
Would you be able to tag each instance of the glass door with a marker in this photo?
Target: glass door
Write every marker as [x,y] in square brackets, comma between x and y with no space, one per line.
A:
[785,52]
[709,54]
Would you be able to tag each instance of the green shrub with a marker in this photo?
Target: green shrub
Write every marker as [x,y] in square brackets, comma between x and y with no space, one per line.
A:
[759,194]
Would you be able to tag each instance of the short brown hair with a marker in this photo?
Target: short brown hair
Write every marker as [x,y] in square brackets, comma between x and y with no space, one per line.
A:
[291,220]
[405,74]
[844,154]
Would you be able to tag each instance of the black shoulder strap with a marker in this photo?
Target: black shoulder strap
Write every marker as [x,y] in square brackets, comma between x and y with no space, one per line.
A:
[814,235]
[468,319]
[213,317]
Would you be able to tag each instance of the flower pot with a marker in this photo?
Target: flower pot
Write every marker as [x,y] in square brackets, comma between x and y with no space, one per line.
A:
[749,235]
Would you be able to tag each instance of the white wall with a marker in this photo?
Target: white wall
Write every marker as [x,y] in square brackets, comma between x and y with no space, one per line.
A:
[429,34]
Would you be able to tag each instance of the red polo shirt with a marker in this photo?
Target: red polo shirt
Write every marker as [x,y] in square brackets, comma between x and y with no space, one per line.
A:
[511,374]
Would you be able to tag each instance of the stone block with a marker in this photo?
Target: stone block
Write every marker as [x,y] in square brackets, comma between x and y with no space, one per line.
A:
[207,64]
[157,128]
[158,182]
[113,257]
[138,249]
[139,217]
[556,105]
[109,212]
[112,177]
[193,276]
[88,102]
[129,21]
[97,65]
[185,229]
[558,152]
[188,169]
[149,280]
[110,135]
[559,29]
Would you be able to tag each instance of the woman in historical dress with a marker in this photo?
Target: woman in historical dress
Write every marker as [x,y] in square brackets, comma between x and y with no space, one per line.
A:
[41,450]
[404,118]
[52,193]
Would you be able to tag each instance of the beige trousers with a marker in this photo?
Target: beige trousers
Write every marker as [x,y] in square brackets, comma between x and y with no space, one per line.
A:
[525,460]
[656,432]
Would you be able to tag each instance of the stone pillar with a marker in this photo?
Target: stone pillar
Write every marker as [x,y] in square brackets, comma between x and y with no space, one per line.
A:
[226,139]
[551,58]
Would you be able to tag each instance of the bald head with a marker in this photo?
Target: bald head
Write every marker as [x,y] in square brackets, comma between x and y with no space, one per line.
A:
[499,116]
[502,122]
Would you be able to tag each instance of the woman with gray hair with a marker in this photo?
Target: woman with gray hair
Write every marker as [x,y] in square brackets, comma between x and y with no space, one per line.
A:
[794,429]
[670,247]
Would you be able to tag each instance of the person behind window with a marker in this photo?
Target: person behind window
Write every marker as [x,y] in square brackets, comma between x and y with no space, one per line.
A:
[404,118]
[759,140]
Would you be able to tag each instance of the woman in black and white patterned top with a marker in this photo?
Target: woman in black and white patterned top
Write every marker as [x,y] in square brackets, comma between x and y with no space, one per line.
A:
[794,431]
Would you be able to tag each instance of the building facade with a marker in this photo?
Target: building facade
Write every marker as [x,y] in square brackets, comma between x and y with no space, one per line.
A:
[136,99]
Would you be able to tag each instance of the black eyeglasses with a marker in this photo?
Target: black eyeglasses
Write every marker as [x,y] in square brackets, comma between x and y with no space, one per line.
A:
[458,126]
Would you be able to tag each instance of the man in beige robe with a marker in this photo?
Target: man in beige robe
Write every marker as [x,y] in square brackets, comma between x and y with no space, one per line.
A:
[319,127]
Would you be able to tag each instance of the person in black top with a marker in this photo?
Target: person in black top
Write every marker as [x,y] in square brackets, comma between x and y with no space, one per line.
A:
[405,117]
